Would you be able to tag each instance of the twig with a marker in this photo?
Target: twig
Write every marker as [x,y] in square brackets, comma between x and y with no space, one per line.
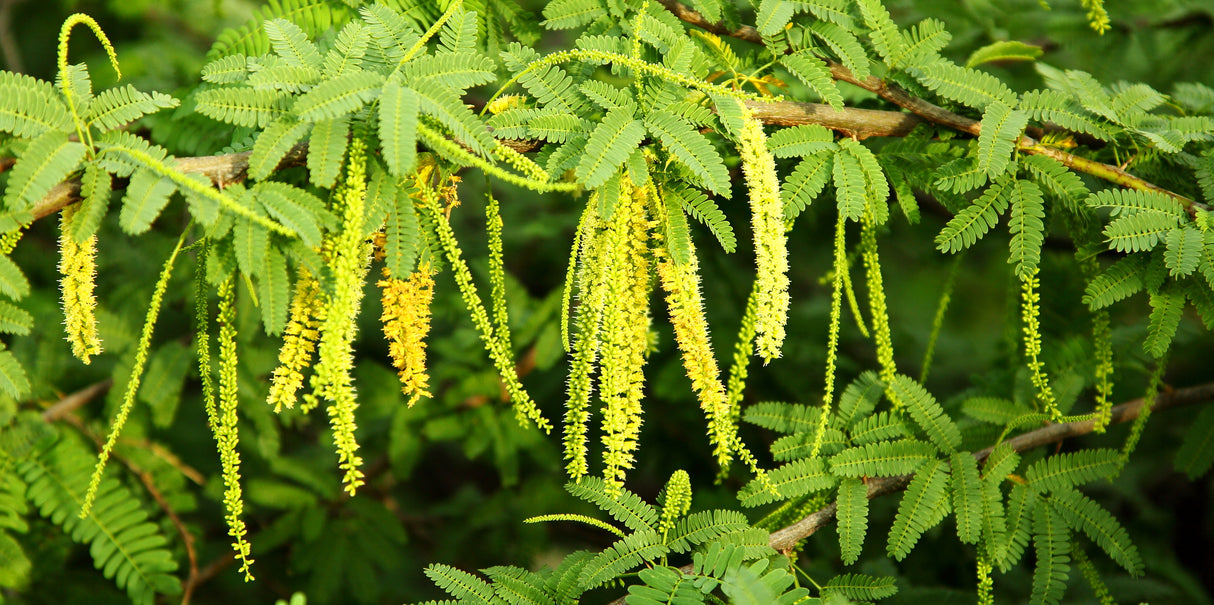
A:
[899,96]
[149,484]
[74,401]
[785,539]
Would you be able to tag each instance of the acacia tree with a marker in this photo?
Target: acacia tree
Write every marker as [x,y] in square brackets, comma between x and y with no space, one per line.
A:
[308,205]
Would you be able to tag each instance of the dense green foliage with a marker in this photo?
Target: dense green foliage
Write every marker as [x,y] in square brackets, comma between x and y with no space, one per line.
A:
[461,227]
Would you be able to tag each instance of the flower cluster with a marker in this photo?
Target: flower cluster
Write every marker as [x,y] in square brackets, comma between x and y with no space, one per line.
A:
[406,319]
[77,265]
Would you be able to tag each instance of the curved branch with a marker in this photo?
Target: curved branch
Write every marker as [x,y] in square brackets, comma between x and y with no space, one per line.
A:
[223,170]
[785,539]
[934,113]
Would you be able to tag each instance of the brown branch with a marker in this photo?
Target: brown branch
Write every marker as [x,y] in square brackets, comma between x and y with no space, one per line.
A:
[65,410]
[74,401]
[223,170]
[785,539]
[934,113]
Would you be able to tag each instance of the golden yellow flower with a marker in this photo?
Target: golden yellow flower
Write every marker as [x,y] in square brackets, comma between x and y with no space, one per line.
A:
[771,242]
[78,268]
[406,319]
[298,341]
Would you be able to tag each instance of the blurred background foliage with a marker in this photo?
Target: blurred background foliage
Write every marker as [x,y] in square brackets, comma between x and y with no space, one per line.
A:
[451,479]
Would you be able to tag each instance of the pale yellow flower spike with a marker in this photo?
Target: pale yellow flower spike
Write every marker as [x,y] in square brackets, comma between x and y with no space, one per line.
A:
[1030,309]
[298,341]
[877,306]
[78,267]
[349,254]
[406,319]
[771,242]
[625,329]
[682,286]
[592,268]
[226,435]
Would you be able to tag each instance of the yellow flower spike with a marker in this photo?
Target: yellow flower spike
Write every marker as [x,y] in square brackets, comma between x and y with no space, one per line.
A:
[625,329]
[298,341]
[226,435]
[78,269]
[676,501]
[497,272]
[349,255]
[876,304]
[132,385]
[587,323]
[682,286]
[524,407]
[832,340]
[505,102]
[406,319]
[771,242]
[1030,308]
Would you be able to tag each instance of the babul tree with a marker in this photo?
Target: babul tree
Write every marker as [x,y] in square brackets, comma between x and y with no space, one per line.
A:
[258,230]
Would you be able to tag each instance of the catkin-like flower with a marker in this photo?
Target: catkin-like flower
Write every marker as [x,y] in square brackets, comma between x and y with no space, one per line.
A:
[298,341]
[589,280]
[676,501]
[682,286]
[226,435]
[624,336]
[877,306]
[771,242]
[349,254]
[406,319]
[1030,308]
[78,268]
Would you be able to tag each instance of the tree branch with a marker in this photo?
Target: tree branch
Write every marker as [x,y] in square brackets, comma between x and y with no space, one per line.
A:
[934,113]
[785,539]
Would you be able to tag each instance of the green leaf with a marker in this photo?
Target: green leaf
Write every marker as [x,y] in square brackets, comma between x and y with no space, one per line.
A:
[13,283]
[14,319]
[348,50]
[703,209]
[627,508]
[1072,469]
[621,557]
[883,459]
[923,506]
[1053,545]
[608,147]
[805,183]
[460,584]
[163,380]
[444,105]
[927,413]
[250,242]
[1001,129]
[678,238]
[291,43]
[456,71]
[117,107]
[294,208]
[402,236]
[243,106]
[813,73]
[849,186]
[1121,280]
[966,86]
[146,196]
[274,292]
[772,15]
[326,148]
[800,141]
[338,96]
[845,45]
[861,587]
[1004,51]
[705,526]
[797,478]
[966,487]
[852,514]
[972,223]
[1196,453]
[689,147]
[273,144]
[13,379]
[46,161]
[95,200]
[1184,251]
[1085,515]
[31,107]
[1167,306]
[569,14]
[1026,226]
